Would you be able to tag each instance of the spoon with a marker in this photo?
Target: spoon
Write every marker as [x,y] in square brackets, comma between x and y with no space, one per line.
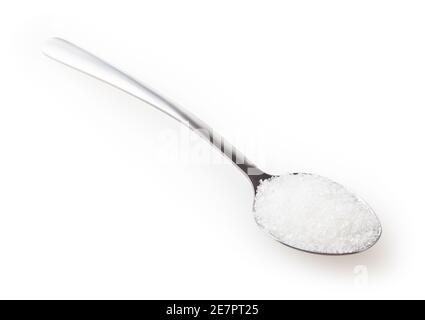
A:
[301,210]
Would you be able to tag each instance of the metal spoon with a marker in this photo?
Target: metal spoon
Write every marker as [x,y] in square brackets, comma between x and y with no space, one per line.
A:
[303,211]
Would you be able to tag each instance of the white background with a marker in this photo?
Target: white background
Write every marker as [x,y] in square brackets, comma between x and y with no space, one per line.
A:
[102,196]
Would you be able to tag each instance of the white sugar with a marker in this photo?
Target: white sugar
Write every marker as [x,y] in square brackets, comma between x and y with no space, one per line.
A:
[315,214]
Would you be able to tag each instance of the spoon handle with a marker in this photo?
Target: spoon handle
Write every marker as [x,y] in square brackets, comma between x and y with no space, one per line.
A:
[79,59]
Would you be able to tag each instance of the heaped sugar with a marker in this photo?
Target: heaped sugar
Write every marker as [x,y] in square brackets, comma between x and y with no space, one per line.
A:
[315,214]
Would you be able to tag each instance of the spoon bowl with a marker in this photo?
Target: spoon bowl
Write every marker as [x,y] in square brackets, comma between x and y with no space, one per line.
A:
[314,214]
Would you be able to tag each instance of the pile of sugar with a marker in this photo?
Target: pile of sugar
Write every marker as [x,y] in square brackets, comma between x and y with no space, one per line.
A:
[315,214]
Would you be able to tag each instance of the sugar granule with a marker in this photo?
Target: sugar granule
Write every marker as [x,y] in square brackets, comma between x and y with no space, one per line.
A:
[315,214]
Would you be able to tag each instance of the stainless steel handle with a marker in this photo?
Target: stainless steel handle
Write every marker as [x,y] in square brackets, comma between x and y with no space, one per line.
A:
[79,59]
